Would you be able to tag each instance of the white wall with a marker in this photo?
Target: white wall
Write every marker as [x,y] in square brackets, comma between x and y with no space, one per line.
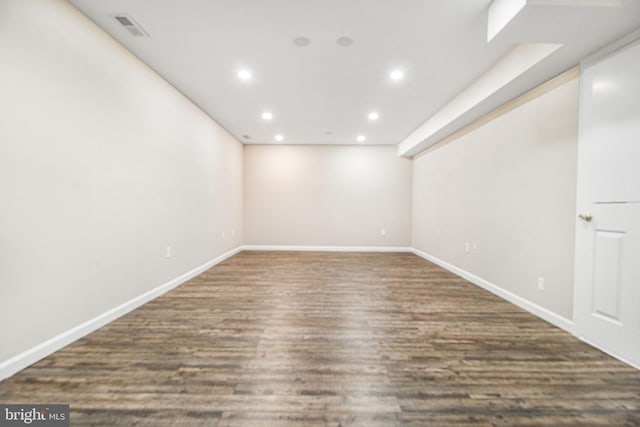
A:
[102,165]
[326,196]
[509,186]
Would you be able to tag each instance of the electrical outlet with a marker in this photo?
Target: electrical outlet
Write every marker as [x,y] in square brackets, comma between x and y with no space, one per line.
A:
[167,252]
[383,231]
[224,235]
[541,284]
[233,232]
[475,248]
[467,247]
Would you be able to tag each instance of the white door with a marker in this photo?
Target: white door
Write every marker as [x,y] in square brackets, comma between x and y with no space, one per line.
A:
[607,288]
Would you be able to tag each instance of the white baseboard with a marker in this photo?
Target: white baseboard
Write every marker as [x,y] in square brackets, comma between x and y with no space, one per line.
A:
[327,248]
[543,313]
[42,350]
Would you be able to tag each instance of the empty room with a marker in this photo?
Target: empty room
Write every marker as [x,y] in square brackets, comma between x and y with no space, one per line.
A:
[333,213]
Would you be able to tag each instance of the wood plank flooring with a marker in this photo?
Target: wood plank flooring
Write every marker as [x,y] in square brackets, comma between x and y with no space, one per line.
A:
[331,339]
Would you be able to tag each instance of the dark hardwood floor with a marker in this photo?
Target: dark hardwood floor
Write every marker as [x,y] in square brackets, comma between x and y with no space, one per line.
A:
[331,339]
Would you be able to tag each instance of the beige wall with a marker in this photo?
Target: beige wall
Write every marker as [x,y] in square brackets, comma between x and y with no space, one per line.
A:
[102,166]
[326,196]
[508,186]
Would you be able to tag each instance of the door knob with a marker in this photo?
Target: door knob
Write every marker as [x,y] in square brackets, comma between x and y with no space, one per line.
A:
[586,217]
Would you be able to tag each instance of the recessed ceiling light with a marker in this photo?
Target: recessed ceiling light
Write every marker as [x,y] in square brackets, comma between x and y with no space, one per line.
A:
[374,116]
[361,138]
[396,75]
[267,115]
[301,41]
[245,75]
[279,137]
[344,41]
[328,133]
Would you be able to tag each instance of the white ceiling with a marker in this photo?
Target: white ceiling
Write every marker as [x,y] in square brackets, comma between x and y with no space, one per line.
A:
[200,45]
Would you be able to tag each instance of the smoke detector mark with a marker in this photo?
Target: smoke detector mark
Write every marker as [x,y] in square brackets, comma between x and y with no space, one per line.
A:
[129,24]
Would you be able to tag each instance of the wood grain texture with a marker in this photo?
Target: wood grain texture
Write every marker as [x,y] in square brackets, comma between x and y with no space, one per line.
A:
[331,339]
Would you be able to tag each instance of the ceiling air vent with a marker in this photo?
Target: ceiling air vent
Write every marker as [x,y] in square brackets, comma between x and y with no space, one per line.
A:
[130,25]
